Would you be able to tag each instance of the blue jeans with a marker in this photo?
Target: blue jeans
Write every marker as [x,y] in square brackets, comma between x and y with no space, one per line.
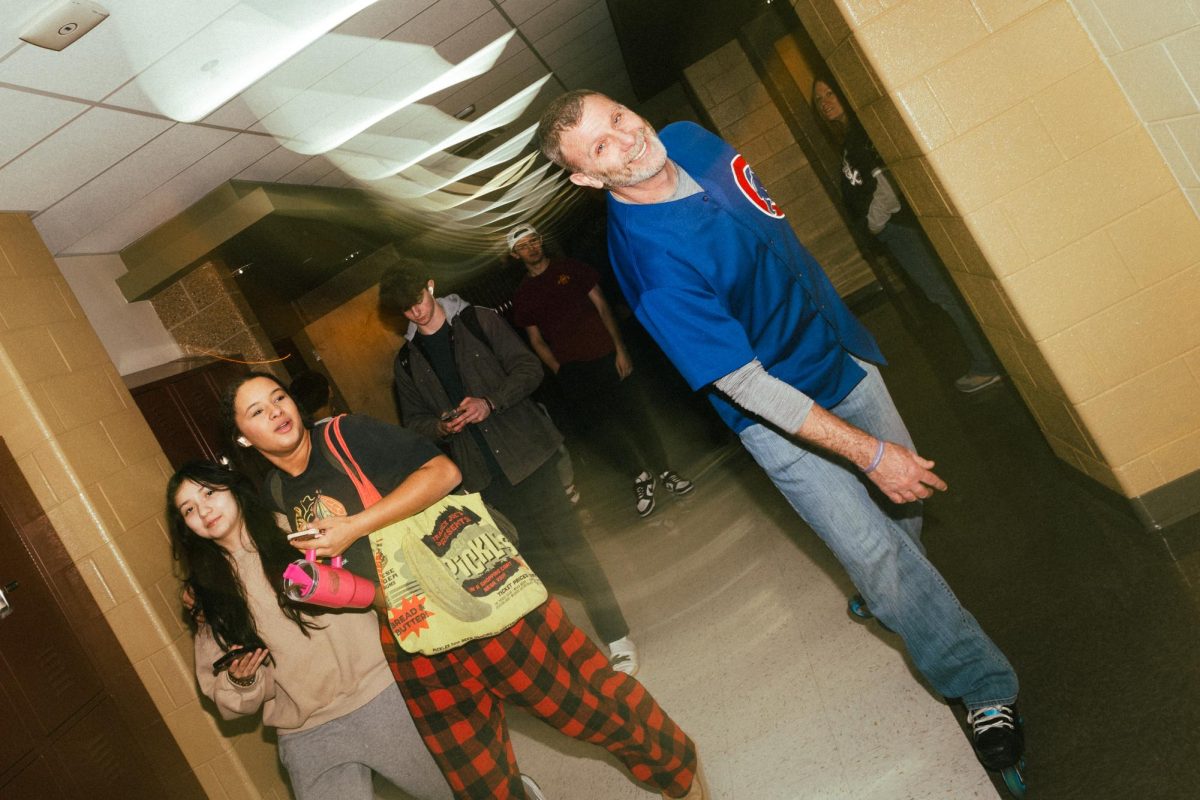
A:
[879,547]
[917,258]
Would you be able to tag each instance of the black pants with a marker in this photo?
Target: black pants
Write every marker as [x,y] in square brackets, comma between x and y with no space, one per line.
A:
[552,541]
[614,414]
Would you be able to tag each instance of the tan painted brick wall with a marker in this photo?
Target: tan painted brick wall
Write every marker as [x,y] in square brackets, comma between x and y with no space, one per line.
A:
[1153,49]
[1052,207]
[738,103]
[99,473]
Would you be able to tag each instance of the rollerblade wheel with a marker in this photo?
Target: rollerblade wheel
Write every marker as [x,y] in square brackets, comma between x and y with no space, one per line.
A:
[1014,781]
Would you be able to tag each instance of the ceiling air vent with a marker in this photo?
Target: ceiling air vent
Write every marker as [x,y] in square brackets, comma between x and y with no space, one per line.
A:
[63,24]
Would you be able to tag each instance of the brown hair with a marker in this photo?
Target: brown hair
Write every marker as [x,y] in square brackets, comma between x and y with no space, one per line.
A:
[834,131]
[563,114]
[400,287]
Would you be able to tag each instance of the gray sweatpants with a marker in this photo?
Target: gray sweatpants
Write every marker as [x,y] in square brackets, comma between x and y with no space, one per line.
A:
[334,761]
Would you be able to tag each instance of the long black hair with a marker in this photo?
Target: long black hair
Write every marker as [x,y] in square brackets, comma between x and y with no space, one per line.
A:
[210,579]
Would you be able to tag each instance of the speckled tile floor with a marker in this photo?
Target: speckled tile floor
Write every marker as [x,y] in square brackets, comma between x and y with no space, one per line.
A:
[740,615]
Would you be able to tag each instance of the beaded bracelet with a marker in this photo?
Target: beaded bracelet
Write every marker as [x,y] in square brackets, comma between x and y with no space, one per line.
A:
[875,461]
[243,682]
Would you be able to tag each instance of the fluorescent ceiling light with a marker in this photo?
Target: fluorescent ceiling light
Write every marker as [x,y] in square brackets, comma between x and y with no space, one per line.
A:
[237,49]
[369,88]
[428,131]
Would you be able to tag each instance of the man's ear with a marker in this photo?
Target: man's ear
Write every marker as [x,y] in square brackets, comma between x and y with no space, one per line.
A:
[579,179]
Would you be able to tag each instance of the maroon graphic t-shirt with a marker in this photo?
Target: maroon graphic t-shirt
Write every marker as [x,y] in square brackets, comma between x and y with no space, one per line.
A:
[557,303]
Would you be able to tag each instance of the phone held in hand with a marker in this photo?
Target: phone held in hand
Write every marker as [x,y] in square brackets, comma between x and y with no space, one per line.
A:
[304,535]
[224,661]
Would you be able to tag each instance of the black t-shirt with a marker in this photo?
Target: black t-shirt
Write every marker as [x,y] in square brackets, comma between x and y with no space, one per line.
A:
[387,454]
[438,347]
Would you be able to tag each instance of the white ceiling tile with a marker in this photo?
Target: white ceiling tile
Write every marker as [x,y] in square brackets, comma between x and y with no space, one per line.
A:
[475,36]
[559,14]
[378,20]
[176,195]
[29,118]
[440,21]
[135,176]
[593,43]
[336,179]
[552,40]
[272,166]
[482,91]
[312,170]
[75,154]
[136,33]
[521,10]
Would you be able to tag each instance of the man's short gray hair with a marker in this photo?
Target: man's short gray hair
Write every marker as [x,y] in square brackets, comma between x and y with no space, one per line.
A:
[563,114]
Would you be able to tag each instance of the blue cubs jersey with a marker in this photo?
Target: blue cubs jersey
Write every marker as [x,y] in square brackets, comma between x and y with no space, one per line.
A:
[719,279]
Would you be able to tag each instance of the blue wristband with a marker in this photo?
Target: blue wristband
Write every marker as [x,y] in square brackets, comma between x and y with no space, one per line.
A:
[875,461]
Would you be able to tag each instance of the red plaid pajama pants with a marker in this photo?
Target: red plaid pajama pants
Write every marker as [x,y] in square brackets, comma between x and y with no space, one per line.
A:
[549,667]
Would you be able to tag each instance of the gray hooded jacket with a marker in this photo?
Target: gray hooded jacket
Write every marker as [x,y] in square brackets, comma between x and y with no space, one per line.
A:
[504,371]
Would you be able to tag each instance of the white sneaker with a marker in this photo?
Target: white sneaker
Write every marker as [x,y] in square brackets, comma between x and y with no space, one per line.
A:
[643,492]
[623,656]
[532,790]
[675,484]
[972,382]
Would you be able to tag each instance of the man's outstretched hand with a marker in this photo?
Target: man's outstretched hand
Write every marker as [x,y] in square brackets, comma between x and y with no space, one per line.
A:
[904,476]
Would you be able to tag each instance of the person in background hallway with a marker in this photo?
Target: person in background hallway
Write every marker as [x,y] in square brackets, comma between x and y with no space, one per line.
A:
[542,663]
[572,329]
[464,362]
[872,202]
[320,680]
[713,270]
[314,395]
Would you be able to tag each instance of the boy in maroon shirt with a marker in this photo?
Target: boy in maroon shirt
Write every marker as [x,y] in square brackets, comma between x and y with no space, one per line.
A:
[572,329]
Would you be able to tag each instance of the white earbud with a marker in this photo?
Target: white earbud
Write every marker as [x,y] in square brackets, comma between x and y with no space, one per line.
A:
[243,441]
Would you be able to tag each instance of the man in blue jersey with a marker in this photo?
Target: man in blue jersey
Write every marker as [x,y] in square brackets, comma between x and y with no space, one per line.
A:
[714,272]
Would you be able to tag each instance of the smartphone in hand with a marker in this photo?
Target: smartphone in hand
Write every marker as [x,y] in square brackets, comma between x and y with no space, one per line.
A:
[226,660]
[304,535]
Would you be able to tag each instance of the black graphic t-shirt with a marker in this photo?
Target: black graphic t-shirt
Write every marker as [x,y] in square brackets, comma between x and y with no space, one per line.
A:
[387,453]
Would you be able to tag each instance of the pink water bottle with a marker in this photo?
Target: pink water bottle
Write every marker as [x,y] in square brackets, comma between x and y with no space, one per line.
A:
[330,585]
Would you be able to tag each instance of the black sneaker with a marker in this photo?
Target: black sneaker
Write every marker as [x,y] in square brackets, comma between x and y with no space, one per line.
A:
[676,484]
[643,490]
[996,734]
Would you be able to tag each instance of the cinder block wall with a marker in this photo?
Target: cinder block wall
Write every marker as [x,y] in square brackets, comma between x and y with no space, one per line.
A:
[98,472]
[1055,212]
[738,104]
[1153,49]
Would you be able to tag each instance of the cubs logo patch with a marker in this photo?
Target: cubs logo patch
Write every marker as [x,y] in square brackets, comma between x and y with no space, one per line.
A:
[752,188]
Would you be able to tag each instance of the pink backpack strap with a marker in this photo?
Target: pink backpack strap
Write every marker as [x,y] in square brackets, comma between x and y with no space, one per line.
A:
[367,492]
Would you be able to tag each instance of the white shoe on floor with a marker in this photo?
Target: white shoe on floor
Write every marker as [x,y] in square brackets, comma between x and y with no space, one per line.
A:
[643,493]
[623,656]
[974,381]
[532,790]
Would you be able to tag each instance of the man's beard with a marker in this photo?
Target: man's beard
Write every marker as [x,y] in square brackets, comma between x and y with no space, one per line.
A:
[653,161]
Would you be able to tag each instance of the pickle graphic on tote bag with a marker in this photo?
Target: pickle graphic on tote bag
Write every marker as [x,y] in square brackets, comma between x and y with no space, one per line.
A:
[450,575]
[439,585]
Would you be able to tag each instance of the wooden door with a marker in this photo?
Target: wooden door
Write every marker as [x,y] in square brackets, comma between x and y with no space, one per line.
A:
[183,411]
[61,733]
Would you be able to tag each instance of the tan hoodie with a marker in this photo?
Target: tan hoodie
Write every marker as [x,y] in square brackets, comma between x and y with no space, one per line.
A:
[337,669]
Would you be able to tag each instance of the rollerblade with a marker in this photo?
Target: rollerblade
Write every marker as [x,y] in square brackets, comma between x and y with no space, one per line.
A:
[1000,744]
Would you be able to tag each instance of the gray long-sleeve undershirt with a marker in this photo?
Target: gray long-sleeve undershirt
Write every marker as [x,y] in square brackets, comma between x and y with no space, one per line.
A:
[754,389]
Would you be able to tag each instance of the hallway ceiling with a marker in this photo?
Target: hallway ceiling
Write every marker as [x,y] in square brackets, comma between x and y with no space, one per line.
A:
[94,154]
